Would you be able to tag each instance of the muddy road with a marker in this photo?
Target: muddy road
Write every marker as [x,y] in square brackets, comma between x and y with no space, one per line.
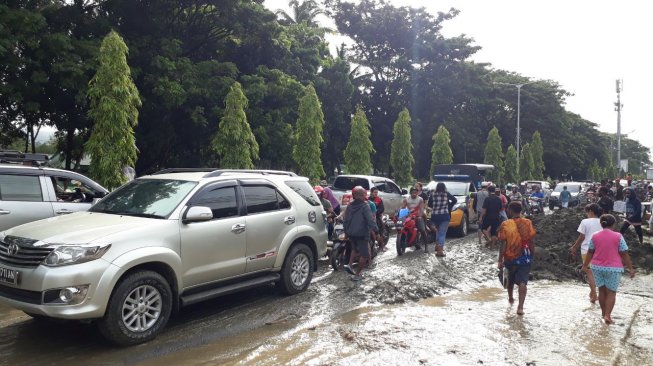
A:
[410,310]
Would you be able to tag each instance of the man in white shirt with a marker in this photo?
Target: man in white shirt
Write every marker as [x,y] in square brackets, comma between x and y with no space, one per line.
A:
[586,229]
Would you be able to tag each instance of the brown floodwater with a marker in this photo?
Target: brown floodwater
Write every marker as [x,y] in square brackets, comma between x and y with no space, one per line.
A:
[416,309]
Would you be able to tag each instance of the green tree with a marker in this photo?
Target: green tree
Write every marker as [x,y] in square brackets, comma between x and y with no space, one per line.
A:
[307,151]
[114,103]
[511,165]
[234,142]
[401,150]
[494,155]
[441,151]
[526,164]
[537,150]
[359,150]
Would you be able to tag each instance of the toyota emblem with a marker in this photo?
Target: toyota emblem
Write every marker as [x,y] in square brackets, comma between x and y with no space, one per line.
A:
[13,249]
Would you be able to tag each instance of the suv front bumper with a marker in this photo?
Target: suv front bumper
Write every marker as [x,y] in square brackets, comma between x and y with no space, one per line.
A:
[37,288]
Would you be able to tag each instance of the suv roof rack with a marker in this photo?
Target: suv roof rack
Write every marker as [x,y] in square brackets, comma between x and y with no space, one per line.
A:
[17,157]
[219,172]
[212,172]
[184,170]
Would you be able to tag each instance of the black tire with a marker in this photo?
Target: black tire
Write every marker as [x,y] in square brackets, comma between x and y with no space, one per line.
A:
[334,259]
[386,233]
[462,231]
[113,327]
[401,244]
[296,279]
[551,206]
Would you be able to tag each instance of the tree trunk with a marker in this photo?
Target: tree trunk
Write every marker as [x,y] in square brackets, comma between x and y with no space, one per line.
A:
[68,152]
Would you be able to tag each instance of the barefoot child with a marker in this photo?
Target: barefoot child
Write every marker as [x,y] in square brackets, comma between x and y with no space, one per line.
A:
[607,253]
[586,229]
[516,236]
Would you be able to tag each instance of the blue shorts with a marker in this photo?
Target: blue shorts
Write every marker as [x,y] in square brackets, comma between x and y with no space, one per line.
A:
[518,274]
[607,278]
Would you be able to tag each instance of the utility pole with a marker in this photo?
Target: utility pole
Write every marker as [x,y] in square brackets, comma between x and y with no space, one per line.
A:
[618,107]
[518,86]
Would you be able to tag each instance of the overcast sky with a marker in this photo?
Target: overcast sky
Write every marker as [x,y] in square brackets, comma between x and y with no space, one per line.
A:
[584,45]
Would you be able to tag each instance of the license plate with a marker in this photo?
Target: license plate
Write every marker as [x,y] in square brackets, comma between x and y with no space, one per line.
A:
[9,276]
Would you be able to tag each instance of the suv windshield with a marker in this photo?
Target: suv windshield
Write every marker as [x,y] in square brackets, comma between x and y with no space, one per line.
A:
[347,183]
[573,188]
[155,198]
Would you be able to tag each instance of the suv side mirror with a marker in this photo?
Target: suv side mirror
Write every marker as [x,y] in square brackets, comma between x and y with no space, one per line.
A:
[198,214]
[404,191]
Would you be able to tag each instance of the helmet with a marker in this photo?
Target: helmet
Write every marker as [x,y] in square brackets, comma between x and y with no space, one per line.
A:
[318,189]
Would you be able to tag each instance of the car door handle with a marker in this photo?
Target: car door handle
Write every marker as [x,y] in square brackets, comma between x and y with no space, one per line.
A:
[4,212]
[63,212]
[289,220]
[238,228]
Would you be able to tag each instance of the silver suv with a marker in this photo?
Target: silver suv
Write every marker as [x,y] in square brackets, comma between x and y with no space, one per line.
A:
[162,242]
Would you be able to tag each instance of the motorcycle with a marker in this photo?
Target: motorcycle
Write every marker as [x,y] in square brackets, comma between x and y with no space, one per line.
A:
[408,235]
[341,250]
[535,205]
[341,247]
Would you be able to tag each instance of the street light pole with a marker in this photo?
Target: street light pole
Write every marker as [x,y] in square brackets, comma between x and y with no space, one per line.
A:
[519,86]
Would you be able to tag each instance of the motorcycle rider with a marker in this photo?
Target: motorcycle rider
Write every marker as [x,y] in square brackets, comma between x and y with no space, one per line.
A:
[327,207]
[515,196]
[415,204]
[378,201]
[358,224]
[539,195]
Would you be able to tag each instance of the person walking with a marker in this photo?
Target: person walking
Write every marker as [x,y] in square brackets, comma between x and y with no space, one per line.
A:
[491,216]
[504,204]
[565,197]
[478,207]
[440,203]
[588,227]
[633,214]
[358,224]
[605,201]
[515,252]
[607,254]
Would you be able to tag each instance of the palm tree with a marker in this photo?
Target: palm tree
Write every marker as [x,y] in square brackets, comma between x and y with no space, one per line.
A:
[303,12]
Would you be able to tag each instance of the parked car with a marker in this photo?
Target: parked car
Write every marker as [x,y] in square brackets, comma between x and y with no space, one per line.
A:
[30,193]
[162,242]
[577,194]
[389,191]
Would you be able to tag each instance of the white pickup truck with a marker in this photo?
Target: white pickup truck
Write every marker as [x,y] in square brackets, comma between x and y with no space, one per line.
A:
[389,191]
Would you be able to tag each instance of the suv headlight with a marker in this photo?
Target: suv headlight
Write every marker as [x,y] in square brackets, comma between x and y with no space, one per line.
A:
[73,254]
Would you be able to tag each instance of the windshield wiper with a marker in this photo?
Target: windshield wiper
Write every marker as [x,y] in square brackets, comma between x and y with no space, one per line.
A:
[135,214]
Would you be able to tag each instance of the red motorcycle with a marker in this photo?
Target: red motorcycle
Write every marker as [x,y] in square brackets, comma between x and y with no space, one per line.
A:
[408,235]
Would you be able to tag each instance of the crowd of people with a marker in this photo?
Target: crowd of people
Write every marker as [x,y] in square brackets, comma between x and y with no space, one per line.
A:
[604,252]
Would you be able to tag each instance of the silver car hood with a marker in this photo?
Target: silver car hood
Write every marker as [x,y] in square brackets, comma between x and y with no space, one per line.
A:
[80,227]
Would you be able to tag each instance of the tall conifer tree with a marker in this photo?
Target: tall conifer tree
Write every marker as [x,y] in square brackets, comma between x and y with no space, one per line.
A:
[359,150]
[441,151]
[114,103]
[307,151]
[494,155]
[235,142]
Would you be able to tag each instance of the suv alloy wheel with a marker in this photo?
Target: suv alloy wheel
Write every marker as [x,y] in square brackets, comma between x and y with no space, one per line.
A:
[297,270]
[138,310]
